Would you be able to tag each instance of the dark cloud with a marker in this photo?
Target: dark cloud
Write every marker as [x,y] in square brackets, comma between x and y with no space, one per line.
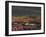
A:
[26,11]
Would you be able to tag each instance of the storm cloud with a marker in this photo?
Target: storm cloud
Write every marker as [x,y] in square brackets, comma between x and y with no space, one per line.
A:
[26,11]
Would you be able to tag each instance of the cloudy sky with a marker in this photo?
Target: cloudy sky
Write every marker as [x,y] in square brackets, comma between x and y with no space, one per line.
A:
[26,11]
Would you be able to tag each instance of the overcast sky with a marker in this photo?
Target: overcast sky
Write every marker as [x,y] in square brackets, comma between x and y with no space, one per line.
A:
[26,11]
